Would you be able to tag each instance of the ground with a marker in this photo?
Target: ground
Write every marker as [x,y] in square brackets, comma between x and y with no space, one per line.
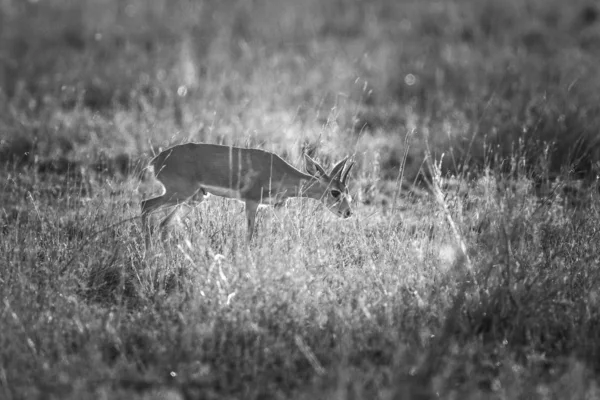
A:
[482,284]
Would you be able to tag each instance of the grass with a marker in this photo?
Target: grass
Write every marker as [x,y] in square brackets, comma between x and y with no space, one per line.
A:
[384,305]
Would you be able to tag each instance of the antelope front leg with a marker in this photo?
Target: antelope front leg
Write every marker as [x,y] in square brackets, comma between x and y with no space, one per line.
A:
[168,220]
[251,207]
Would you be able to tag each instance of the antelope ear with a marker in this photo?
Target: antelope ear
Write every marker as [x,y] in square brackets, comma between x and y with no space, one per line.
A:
[345,176]
[314,168]
[338,168]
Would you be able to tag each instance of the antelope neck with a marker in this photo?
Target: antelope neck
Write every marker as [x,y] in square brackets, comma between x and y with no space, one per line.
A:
[305,187]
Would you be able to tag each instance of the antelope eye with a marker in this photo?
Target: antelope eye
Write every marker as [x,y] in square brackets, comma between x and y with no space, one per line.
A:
[336,193]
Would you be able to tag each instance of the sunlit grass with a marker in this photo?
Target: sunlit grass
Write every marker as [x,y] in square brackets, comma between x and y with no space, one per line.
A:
[381,305]
[312,301]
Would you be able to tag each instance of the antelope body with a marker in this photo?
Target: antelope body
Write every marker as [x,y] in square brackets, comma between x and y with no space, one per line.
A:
[188,172]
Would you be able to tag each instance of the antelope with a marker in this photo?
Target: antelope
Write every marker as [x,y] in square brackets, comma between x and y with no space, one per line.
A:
[190,172]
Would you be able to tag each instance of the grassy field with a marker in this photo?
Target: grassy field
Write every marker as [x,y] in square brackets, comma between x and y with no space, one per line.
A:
[485,285]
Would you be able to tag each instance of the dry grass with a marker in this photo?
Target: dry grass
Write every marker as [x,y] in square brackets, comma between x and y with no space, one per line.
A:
[378,306]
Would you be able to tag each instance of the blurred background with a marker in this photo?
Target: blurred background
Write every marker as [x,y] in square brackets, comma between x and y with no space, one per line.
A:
[478,80]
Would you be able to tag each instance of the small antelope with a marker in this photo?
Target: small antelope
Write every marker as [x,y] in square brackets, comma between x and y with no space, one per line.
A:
[191,171]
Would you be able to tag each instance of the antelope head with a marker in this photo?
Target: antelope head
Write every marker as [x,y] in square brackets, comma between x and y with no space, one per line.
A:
[330,188]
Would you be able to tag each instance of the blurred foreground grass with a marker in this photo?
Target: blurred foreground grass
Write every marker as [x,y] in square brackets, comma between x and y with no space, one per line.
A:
[317,307]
